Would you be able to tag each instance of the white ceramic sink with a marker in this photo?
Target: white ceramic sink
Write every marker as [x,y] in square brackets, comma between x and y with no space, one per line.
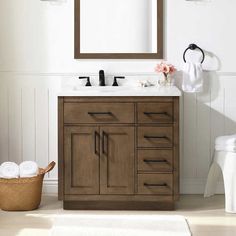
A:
[121,91]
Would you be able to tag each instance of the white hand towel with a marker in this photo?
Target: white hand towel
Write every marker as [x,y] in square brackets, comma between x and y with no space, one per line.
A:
[9,170]
[229,140]
[28,169]
[192,77]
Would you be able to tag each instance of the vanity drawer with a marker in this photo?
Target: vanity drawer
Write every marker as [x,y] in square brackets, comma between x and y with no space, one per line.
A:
[155,136]
[98,113]
[155,160]
[155,184]
[155,112]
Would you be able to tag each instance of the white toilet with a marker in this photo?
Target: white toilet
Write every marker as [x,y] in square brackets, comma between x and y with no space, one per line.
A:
[224,160]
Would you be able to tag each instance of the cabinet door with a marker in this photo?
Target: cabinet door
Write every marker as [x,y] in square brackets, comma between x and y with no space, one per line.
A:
[117,160]
[81,147]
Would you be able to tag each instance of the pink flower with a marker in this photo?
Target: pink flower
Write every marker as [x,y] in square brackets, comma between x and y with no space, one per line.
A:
[172,69]
[165,68]
[158,68]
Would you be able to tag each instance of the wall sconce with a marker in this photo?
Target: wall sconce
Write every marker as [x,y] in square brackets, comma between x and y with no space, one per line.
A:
[54,1]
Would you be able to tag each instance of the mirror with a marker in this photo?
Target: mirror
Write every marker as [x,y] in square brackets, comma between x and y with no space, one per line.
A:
[118,29]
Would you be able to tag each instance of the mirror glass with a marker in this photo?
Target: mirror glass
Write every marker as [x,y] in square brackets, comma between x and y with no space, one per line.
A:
[118,27]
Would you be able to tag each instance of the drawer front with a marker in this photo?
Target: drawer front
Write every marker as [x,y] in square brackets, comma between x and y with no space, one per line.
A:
[155,160]
[98,113]
[155,112]
[153,136]
[155,184]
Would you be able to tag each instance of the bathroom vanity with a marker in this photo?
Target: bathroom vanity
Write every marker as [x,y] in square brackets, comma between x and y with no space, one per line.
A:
[119,148]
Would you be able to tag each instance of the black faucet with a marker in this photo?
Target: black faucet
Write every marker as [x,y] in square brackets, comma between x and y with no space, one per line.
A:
[101,78]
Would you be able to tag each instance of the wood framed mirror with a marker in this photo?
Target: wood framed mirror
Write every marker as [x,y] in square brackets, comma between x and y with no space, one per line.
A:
[118,29]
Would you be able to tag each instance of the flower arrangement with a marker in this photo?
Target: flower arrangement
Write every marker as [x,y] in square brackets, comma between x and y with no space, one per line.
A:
[166,69]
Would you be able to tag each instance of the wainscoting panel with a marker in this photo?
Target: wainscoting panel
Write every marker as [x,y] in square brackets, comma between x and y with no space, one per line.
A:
[203,141]
[189,140]
[28,123]
[15,125]
[4,123]
[28,119]
[42,124]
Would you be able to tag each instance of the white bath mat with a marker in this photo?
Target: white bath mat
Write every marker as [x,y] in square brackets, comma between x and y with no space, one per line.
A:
[120,225]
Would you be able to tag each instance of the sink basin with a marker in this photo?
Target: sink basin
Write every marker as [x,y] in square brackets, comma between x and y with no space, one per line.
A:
[102,89]
[122,91]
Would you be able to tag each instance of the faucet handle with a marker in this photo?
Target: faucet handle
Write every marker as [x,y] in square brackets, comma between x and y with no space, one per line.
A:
[88,80]
[115,80]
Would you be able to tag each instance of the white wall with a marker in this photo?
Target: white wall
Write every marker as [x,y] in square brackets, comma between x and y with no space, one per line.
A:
[36,53]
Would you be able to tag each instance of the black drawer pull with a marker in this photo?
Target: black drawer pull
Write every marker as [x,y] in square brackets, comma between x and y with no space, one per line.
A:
[155,113]
[99,113]
[104,143]
[155,137]
[155,161]
[96,140]
[155,185]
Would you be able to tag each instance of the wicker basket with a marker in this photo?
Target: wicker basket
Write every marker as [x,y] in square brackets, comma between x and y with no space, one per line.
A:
[23,194]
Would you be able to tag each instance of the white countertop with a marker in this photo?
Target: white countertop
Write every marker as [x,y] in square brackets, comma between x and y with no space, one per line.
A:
[122,91]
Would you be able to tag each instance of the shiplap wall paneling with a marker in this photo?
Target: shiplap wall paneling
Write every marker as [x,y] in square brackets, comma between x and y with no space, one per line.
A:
[230,105]
[203,138]
[28,127]
[4,124]
[189,137]
[217,110]
[42,126]
[15,150]
[53,130]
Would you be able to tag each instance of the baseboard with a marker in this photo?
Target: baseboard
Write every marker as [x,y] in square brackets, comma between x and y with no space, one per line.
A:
[187,186]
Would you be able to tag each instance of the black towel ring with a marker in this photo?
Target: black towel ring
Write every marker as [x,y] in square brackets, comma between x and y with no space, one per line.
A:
[193,47]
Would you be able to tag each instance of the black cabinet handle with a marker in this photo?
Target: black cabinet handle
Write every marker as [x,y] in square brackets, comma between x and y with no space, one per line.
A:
[155,113]
[104,136]
[99,113]
[155,185]
[155,161]
[155,137]
[96,150]
[103,139]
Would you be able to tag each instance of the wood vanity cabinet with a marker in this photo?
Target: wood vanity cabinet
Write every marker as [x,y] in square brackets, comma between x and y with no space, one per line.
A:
[119,152]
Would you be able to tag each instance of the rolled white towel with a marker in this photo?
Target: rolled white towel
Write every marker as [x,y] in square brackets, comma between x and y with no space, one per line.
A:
[225,148]
[229,140]
[28,169]
[9,170]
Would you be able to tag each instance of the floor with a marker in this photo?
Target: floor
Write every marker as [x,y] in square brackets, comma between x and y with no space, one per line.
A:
[206,217]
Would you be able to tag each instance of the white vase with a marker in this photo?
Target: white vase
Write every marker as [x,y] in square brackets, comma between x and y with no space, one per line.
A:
[165,81]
